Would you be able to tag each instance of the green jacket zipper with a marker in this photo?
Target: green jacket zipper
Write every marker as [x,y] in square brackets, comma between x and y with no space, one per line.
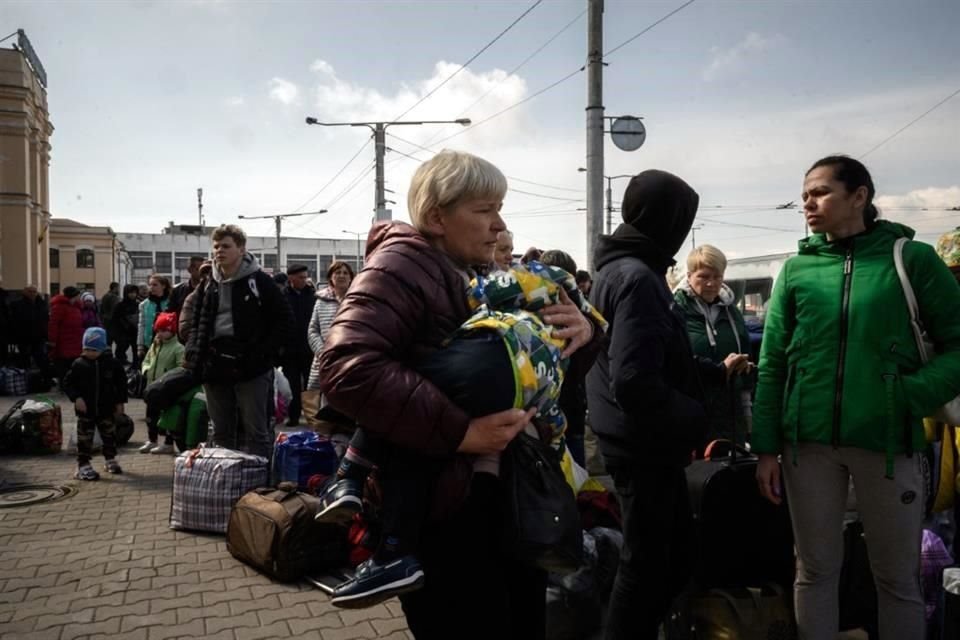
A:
[841,360]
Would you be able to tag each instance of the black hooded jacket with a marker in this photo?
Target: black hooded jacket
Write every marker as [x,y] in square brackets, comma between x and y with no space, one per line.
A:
[102,383]
[644,392]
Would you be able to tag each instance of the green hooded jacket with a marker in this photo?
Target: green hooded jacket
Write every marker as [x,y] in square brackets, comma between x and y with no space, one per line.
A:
[723,334]
[839,364]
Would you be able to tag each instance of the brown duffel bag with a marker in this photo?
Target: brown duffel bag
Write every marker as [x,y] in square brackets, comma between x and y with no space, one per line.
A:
[273,531]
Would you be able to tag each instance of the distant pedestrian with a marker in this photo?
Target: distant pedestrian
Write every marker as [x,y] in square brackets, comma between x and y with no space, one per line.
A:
[584,281]
[503,251]
[156,303]
[297,357]
[240,325]
[65,330]
[89,311]
[165,353]
[126,315]
[30,318]
[185,288]
[97,385]
[108,304]
[339,276]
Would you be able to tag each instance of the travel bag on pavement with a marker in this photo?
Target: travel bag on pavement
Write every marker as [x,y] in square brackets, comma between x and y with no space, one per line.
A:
[299,455]
[273,531]
[207,482]
[738,613]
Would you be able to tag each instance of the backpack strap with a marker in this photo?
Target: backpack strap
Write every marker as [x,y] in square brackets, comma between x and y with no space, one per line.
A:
[919,334]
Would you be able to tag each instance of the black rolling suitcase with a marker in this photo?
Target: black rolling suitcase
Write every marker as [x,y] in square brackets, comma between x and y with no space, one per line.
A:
[741,539]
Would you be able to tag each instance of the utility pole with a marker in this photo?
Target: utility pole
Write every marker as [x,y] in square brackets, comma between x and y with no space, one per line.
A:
[278,221]
[594,126]
[200,207]
[693,236]
[379,130]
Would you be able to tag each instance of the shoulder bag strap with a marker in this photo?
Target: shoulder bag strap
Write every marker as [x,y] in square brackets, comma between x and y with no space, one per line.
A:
[911,298]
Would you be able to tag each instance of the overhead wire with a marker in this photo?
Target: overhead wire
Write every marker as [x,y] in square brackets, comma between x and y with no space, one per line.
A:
[465,110]
[648,28]
[472,58]
[911,123]
[335,176]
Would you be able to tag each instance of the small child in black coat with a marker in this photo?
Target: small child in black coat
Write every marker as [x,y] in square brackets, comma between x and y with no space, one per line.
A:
[97,385]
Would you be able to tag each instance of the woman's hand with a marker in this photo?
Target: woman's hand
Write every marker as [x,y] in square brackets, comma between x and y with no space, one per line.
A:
[492,433]
[768,478]
[736,363]
[572,325]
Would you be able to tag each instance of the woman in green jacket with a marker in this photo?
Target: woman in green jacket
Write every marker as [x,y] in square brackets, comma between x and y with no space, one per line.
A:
[842,392]
[717,335]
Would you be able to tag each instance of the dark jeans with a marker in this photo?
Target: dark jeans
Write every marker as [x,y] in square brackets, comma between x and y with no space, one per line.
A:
[657,546]
[297,370]
[473,589]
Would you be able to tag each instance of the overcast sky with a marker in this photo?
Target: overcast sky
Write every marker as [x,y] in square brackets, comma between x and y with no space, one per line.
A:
[151,100]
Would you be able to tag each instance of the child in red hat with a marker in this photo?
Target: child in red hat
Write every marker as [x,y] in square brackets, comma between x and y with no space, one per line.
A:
[165,353]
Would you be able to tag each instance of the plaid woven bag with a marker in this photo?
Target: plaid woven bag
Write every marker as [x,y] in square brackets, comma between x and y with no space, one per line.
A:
[207,482]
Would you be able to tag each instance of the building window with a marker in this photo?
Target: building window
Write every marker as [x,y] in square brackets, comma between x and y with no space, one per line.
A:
[87,286]
[85,259]
[309,261]
[54,287]
[164,262]
[142,259]
[54,259]
[270,261]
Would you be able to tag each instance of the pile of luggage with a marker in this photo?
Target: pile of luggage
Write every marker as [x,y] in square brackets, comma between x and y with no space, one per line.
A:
[31,426]
[20,382]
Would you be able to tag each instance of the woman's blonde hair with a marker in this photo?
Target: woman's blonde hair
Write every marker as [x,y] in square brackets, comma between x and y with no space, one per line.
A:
[708,256]
[449,178]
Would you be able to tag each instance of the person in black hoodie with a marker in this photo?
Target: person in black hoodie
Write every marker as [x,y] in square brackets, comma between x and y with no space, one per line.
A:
[97,385]
[646,400]
[298,356]
[240,323]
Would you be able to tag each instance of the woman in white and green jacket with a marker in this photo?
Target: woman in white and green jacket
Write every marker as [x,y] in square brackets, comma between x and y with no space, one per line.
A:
[842,392]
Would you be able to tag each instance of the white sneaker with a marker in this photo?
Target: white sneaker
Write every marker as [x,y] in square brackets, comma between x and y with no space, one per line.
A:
[162,449]
[147,447]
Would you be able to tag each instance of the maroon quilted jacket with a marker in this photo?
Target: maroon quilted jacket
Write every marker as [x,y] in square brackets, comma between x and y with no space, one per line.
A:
[407,300]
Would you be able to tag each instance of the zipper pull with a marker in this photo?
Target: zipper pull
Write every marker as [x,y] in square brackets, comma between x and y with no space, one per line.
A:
[848,263]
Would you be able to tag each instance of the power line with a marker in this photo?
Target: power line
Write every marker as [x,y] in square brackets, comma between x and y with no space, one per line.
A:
[911,123]
[336,175]
[629,40]
[548,186]
[748,226]
[513,106]
[474,57]
[466,109]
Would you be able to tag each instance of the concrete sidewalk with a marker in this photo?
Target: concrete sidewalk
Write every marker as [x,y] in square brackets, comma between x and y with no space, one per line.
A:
[105,564]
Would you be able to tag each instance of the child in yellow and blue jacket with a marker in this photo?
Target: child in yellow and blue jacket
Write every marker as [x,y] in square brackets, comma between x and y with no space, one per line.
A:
[504,356]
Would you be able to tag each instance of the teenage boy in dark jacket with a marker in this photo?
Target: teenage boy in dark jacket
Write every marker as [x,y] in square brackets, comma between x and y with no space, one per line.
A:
[240,326]
[97,385]
[298,356]
[645,399]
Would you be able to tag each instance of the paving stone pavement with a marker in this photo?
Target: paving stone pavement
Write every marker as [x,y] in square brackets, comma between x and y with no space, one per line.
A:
[105,564]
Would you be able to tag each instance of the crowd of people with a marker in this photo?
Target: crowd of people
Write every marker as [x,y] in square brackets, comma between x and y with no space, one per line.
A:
[411,350]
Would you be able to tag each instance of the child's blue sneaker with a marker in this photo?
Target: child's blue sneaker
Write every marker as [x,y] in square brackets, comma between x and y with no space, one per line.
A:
[374,583]
[86,472]
[339,501]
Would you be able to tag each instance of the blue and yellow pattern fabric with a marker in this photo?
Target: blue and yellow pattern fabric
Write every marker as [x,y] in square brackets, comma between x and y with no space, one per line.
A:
[507,303]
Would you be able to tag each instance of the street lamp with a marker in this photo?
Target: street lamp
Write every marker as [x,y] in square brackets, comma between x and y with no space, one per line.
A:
[380,147]
[610,180]
[358,234]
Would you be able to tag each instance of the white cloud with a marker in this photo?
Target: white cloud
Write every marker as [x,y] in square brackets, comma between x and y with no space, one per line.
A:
[930,198]
[341,99]
[734,58]
[284,91]
[322,66]
[234,101]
